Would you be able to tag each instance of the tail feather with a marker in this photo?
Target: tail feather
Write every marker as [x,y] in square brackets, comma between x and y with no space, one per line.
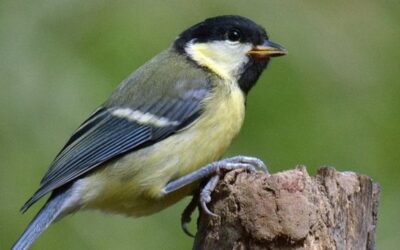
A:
[52,210]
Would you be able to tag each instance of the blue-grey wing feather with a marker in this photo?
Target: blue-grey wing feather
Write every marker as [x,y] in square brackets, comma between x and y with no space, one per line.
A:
[105,136]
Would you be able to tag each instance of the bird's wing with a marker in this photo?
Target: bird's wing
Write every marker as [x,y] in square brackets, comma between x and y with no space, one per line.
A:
[113,131]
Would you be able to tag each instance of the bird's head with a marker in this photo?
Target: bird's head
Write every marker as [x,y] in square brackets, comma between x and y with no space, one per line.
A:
[233,47]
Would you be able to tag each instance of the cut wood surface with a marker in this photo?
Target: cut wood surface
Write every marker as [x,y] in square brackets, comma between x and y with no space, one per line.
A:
[291,210]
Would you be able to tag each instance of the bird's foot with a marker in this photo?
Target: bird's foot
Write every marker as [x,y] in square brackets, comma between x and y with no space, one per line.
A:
[250,164]
[214,171]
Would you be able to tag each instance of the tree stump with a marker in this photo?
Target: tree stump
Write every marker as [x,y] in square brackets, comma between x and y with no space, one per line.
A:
[291,210]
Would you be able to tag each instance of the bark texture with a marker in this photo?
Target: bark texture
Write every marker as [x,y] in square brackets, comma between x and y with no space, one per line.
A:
[291,210]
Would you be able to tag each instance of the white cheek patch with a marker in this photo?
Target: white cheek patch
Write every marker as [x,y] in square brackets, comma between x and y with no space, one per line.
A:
[143,118]
[222,57]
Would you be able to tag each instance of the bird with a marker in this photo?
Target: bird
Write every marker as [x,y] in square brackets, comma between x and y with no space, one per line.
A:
[162,131]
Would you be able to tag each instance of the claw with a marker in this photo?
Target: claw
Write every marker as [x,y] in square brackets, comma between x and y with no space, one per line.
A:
[186,229]
[205,194]
[259,164]
[206,210]
[187,214]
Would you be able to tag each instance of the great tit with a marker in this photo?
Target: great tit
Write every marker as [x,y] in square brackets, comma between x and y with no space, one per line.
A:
[149,144]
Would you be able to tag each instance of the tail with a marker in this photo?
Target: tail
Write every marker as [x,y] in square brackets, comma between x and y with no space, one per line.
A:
[52,210]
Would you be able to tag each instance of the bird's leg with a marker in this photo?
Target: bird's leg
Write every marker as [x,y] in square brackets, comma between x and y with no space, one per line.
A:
[213,170]
[237,162]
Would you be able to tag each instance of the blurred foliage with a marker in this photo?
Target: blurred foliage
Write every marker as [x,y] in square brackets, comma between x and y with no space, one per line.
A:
[334,100]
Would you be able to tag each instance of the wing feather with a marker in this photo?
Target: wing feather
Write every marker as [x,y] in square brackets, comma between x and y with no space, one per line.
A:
[105,136]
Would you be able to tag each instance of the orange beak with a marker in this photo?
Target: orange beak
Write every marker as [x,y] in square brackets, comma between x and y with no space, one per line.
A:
[267,49]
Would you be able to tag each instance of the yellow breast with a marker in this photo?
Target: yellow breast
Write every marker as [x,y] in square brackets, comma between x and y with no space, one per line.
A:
[132,184]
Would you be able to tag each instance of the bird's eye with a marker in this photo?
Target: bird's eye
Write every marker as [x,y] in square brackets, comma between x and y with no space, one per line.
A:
[233,35]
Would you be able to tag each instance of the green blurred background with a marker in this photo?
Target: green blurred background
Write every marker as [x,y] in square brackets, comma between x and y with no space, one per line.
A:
[334,100]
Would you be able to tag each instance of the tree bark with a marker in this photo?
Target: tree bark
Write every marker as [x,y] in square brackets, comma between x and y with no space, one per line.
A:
[291,210]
